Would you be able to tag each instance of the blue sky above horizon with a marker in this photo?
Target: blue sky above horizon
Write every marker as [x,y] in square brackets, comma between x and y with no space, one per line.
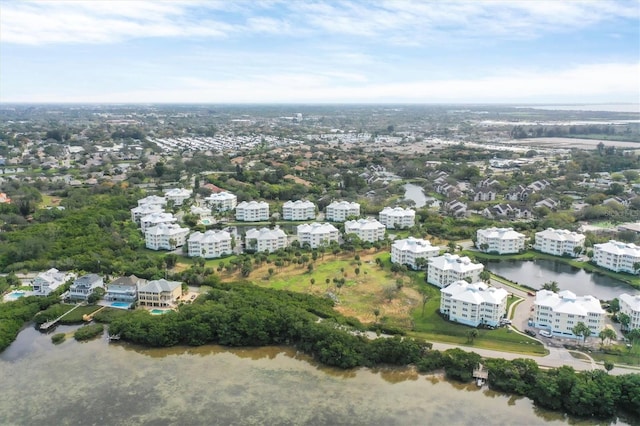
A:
[303,51]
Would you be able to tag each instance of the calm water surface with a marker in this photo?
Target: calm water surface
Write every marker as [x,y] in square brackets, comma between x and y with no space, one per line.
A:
[415,193]
[97,383]
[537,272]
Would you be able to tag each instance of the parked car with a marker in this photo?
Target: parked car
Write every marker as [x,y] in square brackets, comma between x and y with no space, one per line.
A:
[545,333]
[505,321]
[530,332]
[530,293]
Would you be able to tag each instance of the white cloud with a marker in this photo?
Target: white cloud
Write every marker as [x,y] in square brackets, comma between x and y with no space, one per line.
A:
[589,83]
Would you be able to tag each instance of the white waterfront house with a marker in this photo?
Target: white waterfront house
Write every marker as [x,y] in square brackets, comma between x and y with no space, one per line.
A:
[448,268]
[339,211]
[617,256]
[397,217]
[252,211]
[559,242]
[630,305]
[83,286]
[500,240]
[178,195]
[560,312]
[155,219]
[473,303]
[368,229]
[317,234]
[153,200]
[265,240]
[222,201]
[144,210]
[209,245]
[46,282]
[165,236]
[408,251]
[298,210]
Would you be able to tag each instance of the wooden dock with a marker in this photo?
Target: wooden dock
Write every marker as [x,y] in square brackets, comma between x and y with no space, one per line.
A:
[480,375]
[50,324]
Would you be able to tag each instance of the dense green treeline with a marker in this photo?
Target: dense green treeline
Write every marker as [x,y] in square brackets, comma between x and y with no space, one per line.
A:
[14,315]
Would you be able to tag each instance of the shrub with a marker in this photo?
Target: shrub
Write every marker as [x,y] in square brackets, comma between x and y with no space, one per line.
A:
[88,332]
[57,338]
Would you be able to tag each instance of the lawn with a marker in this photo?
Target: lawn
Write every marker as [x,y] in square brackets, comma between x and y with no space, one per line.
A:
[76,316]
[513,300]
[433,327]
[628,356]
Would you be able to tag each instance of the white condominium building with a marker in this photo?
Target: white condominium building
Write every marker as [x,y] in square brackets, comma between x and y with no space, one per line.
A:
[560,312]
[252,211]
[366,229]
[408,252]
[178,195]
[265,239]
[165,236]
[153,199]
[317,234]
[222,201]
[144,210]
[448,268]
[397,217]
[558,242]
[298,210]
[473,304]
[339,211]
[630,305]
[210,244]
[617,256]
[500,240]
[155,219]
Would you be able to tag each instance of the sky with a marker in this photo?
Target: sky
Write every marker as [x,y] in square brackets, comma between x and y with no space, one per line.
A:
[306,51]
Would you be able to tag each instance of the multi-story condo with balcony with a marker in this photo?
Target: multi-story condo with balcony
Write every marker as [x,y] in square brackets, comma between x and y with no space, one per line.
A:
[82,287]
[448,268]
[153,200]
[473,304]
[155,219]
[210,244]
[144,210]
[559,242]
[561,312]
[397,217]
[166,236]
[124,290]
[252,211]
[317,234]
[500,240]
[265,240]
[178,195]
[368,229]
[339,211]
[298,210]
[413,252]
[222,201]
[617,256]
[630,305]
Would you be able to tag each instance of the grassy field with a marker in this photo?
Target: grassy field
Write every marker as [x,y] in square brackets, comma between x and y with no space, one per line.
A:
[628,356]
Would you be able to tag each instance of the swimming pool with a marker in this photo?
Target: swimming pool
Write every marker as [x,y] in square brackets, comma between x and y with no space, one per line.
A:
[206,221]
[158,311]
[120,305]
[15,295]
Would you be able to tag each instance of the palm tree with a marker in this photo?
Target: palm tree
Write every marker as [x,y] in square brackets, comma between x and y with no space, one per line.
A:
[471,335]
[376,312]
[551,285]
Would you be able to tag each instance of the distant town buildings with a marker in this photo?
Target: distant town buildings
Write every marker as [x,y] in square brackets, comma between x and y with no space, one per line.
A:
[630,305]
[317,234]
[397,217]
[339,211]
[412,252]
[165,236]
[209,245]
[559,242]
[252,211]
[473,304]
[448,268]
[4,198]
[560,312]
[298,210]
[265,240]
[222,201]
[366,229]
[617,256]
[500,240]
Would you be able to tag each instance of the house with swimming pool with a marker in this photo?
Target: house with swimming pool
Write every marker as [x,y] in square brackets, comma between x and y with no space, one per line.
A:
[159,293]
[48,281]
[123,292]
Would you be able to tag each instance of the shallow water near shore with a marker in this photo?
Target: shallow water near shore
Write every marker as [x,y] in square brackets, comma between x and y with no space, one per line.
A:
[101,383]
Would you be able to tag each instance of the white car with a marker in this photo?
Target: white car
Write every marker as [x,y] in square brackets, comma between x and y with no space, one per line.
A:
[545,333]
